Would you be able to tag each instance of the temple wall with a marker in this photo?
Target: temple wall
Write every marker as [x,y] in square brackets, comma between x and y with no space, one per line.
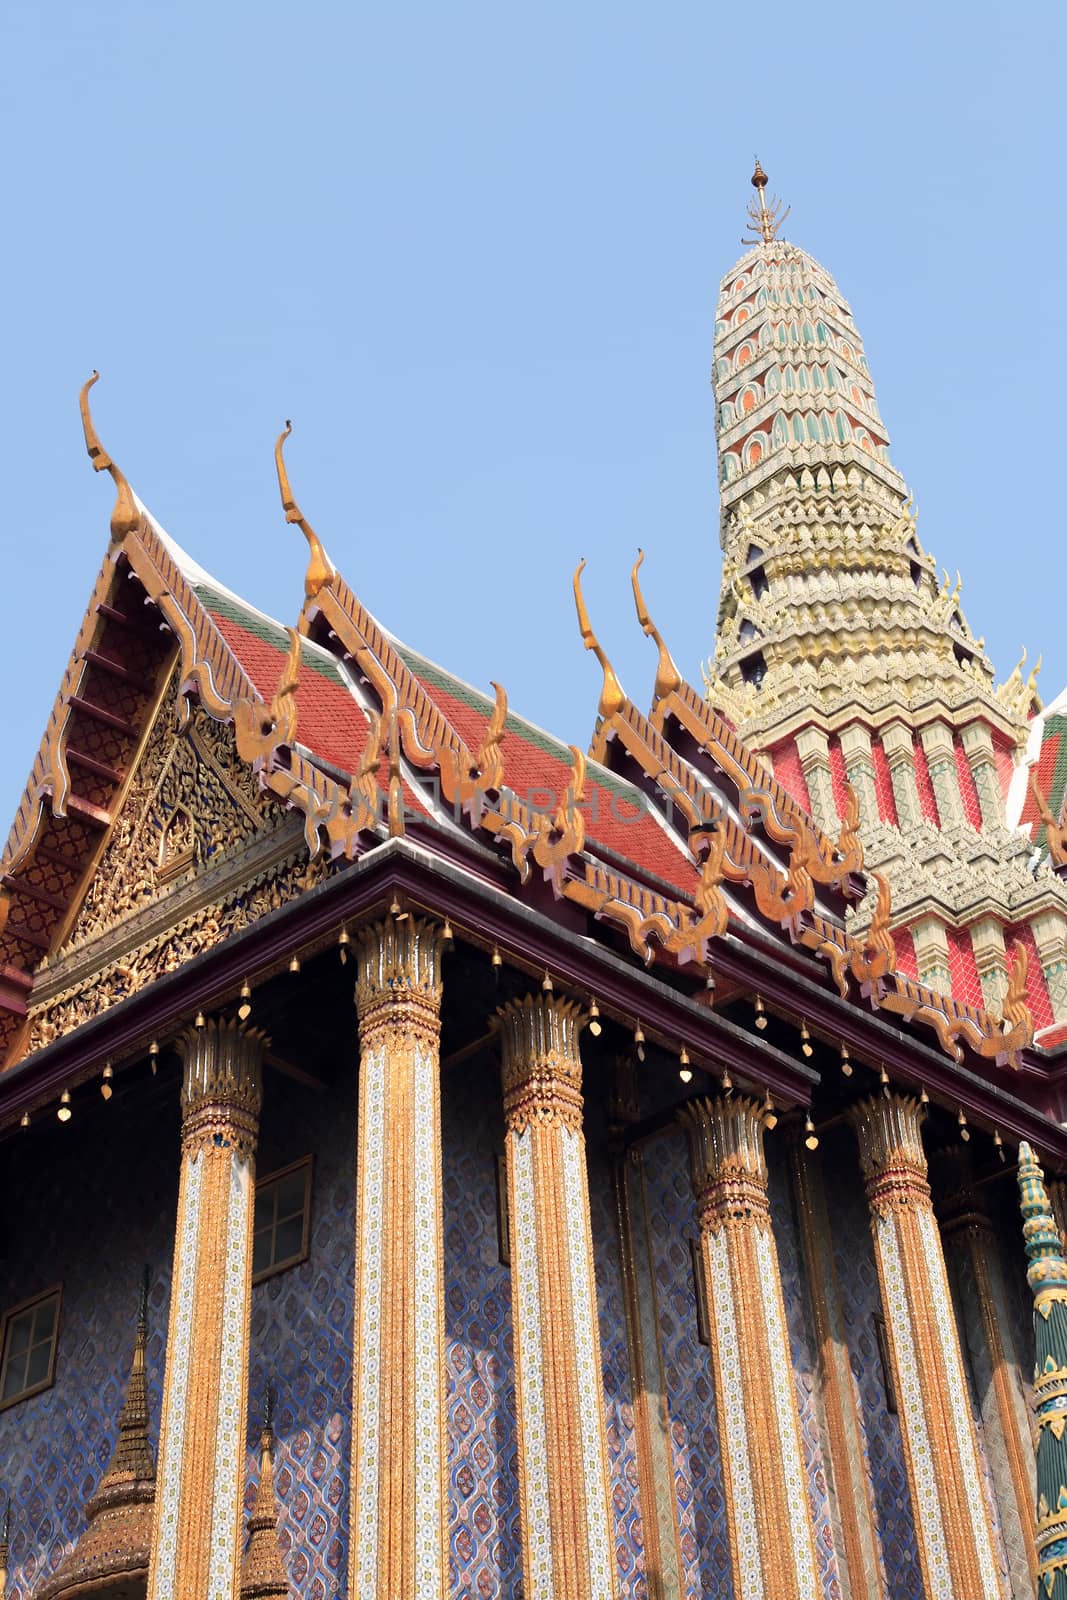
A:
[85,1205]
[483,1494]
[670,1217]
[302,1337]
[857,1278]
[618,1393]
[805,1366]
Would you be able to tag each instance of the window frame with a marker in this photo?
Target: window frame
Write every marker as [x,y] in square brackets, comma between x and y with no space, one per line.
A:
[308,1164]
[54,1290]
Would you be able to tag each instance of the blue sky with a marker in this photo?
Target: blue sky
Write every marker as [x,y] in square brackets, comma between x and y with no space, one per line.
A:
[473,251]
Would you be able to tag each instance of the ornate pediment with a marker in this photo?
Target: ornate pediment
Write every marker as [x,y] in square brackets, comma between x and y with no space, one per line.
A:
[191,800]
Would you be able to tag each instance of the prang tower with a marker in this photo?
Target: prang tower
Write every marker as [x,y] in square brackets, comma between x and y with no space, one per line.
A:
[842,657]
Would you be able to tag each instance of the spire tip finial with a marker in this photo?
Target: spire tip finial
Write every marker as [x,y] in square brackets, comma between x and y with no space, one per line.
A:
[764,220]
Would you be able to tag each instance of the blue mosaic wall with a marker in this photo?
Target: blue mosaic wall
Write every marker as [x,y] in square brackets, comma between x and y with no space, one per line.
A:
[618,1388]
[857,1278]
[805,1366]
[302,1338]
[672,1223]
[485,1552]
[86,1205]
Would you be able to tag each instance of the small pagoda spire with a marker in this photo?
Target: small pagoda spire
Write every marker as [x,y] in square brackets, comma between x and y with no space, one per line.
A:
[262,1574]
[1047,1277]
[765,220]
[118,1533]
[132,1458]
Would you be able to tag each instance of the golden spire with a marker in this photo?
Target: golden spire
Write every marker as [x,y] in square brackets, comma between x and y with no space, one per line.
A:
[117,1538]
[668,678]
[765,220]
[612,698]
[124,516]
[133,1455]
[320,569]
[262,1573]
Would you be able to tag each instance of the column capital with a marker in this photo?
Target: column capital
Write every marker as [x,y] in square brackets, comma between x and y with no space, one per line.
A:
[898,744]
[222,1085]
[542,1064]
[889,1128]
[398,962]
[813,747]
[726,1160]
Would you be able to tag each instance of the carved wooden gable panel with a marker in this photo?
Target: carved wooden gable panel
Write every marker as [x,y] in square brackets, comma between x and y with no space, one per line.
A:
[192,799]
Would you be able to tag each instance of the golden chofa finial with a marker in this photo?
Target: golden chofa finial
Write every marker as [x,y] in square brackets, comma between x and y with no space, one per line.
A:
[668,678]
[124,516]
[612,698]
[320,569]
[765,220]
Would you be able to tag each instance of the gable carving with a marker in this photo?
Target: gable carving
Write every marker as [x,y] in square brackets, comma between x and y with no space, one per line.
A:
[190,802]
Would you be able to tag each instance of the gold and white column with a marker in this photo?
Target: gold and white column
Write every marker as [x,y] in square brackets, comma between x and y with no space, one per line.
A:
[772,1548]
[398,1528]
[198,1530]
[567,1544]
[940,1450]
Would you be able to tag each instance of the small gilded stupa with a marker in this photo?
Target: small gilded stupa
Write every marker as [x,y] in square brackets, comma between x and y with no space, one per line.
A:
[110,1560]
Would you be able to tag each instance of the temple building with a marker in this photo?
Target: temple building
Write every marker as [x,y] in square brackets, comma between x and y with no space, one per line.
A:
[440,1162]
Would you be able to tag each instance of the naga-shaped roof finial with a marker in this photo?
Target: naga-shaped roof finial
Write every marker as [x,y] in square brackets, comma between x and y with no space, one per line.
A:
[612,698]
[320,568]
[124,516]
[764,220]
[668,678]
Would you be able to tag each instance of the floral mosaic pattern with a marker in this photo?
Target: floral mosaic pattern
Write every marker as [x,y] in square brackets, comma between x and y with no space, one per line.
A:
[485,1560]
[805,1372]
[55,1446]
[302,1342]
[687,1371]
[629,1540]
[857,1278]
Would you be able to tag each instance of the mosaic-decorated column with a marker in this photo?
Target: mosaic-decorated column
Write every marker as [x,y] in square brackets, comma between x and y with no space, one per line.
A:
[567,1546]
[900,754]
[973,1256]
[768,1512]
[977,741]
[813,747]
[200,1482]
[859,770]
[944,774]
[940,1450]
[851,1487]
[398,1532]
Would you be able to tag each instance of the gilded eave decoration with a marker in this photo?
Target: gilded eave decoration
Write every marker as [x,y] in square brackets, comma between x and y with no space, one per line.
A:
[761,844]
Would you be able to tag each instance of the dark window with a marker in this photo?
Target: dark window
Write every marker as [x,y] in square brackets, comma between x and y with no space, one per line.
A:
[29,1347]
[282,1219]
